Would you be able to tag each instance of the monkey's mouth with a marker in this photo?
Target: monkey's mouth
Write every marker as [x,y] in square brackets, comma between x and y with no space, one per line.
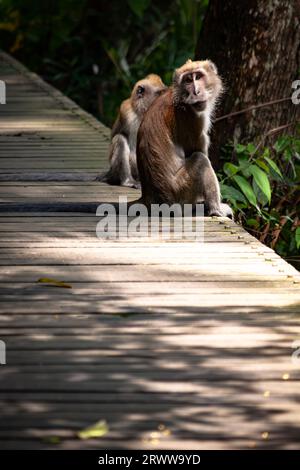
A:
[199,105]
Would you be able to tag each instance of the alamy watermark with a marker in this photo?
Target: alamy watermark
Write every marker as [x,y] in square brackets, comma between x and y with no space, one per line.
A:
[2,352]
[296,94]
[296,354]
[2,92]
[178,221]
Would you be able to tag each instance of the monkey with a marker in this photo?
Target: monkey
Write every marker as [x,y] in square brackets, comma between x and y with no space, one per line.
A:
[122,152]
[173,141]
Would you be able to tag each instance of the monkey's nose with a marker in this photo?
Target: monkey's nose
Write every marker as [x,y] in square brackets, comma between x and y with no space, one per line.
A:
[195,90]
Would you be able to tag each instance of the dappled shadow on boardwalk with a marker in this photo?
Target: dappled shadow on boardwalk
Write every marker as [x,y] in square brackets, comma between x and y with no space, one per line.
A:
[183,360]
[212,377]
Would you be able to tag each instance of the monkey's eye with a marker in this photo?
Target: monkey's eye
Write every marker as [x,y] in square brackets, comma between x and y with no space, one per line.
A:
[188,79]
[199,75]
[140,90]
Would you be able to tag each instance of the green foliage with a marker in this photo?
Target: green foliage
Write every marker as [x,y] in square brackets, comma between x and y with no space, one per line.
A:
[95,51]
[138,6]
[263,187]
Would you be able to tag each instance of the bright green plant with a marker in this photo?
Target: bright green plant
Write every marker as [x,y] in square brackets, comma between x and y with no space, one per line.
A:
[262,184]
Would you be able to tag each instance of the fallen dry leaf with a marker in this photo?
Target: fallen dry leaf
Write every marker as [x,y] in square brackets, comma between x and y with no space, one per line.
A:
[53,282]
[98,429]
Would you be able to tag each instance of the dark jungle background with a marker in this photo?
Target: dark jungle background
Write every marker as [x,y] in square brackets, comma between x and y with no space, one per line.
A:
[94,51]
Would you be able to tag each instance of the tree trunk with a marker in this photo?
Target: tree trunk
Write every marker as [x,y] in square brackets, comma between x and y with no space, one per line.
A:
[256,47]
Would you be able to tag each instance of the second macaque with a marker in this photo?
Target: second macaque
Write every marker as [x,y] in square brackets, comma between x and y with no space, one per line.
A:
[122,152]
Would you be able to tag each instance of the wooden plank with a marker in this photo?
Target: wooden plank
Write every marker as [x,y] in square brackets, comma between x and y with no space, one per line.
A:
[90,222]
[150,326]
[136,373]
[192,383]
[217,442]
[200,317]
[186,242]
[16,291]
[171,367]
[116,303]
[163,272]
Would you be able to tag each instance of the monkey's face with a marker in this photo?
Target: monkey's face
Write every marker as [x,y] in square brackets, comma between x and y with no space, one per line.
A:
[194,90]
[197,84]
[146,91]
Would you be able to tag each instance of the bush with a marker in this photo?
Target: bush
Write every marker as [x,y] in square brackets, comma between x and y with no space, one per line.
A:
[262,185]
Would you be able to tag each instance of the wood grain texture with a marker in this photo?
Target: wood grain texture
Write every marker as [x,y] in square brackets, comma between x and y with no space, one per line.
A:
[194,336]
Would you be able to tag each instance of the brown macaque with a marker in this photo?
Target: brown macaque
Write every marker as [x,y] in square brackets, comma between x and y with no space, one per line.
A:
[122,152]
[172,143]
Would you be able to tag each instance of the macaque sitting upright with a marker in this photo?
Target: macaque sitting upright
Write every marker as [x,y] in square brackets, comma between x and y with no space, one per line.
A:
[172,142]
[122,152]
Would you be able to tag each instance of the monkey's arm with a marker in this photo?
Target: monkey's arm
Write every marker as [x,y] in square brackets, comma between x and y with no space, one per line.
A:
[118,157]
[199,180]
[117,127]
[119,172]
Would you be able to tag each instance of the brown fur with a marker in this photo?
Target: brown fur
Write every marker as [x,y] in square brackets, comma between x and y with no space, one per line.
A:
[172,142]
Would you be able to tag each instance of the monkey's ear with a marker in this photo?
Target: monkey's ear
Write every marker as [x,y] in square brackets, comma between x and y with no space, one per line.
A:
[211,66]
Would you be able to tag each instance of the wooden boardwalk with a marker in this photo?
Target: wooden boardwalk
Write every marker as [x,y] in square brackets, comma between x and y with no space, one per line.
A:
[174,344]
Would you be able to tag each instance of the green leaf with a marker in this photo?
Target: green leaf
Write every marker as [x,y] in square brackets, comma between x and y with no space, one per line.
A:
[266,152]
[261,179]
[297,237]
[245,171]
[281,144]
[239,148]
[275,214]
[260,196]
[244,165]
[288,154]
[274,166]
[98,429]
[252,223]
[246,189]
[230,169]
[263,165]
[233,194]
[138,6]
[251,148]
